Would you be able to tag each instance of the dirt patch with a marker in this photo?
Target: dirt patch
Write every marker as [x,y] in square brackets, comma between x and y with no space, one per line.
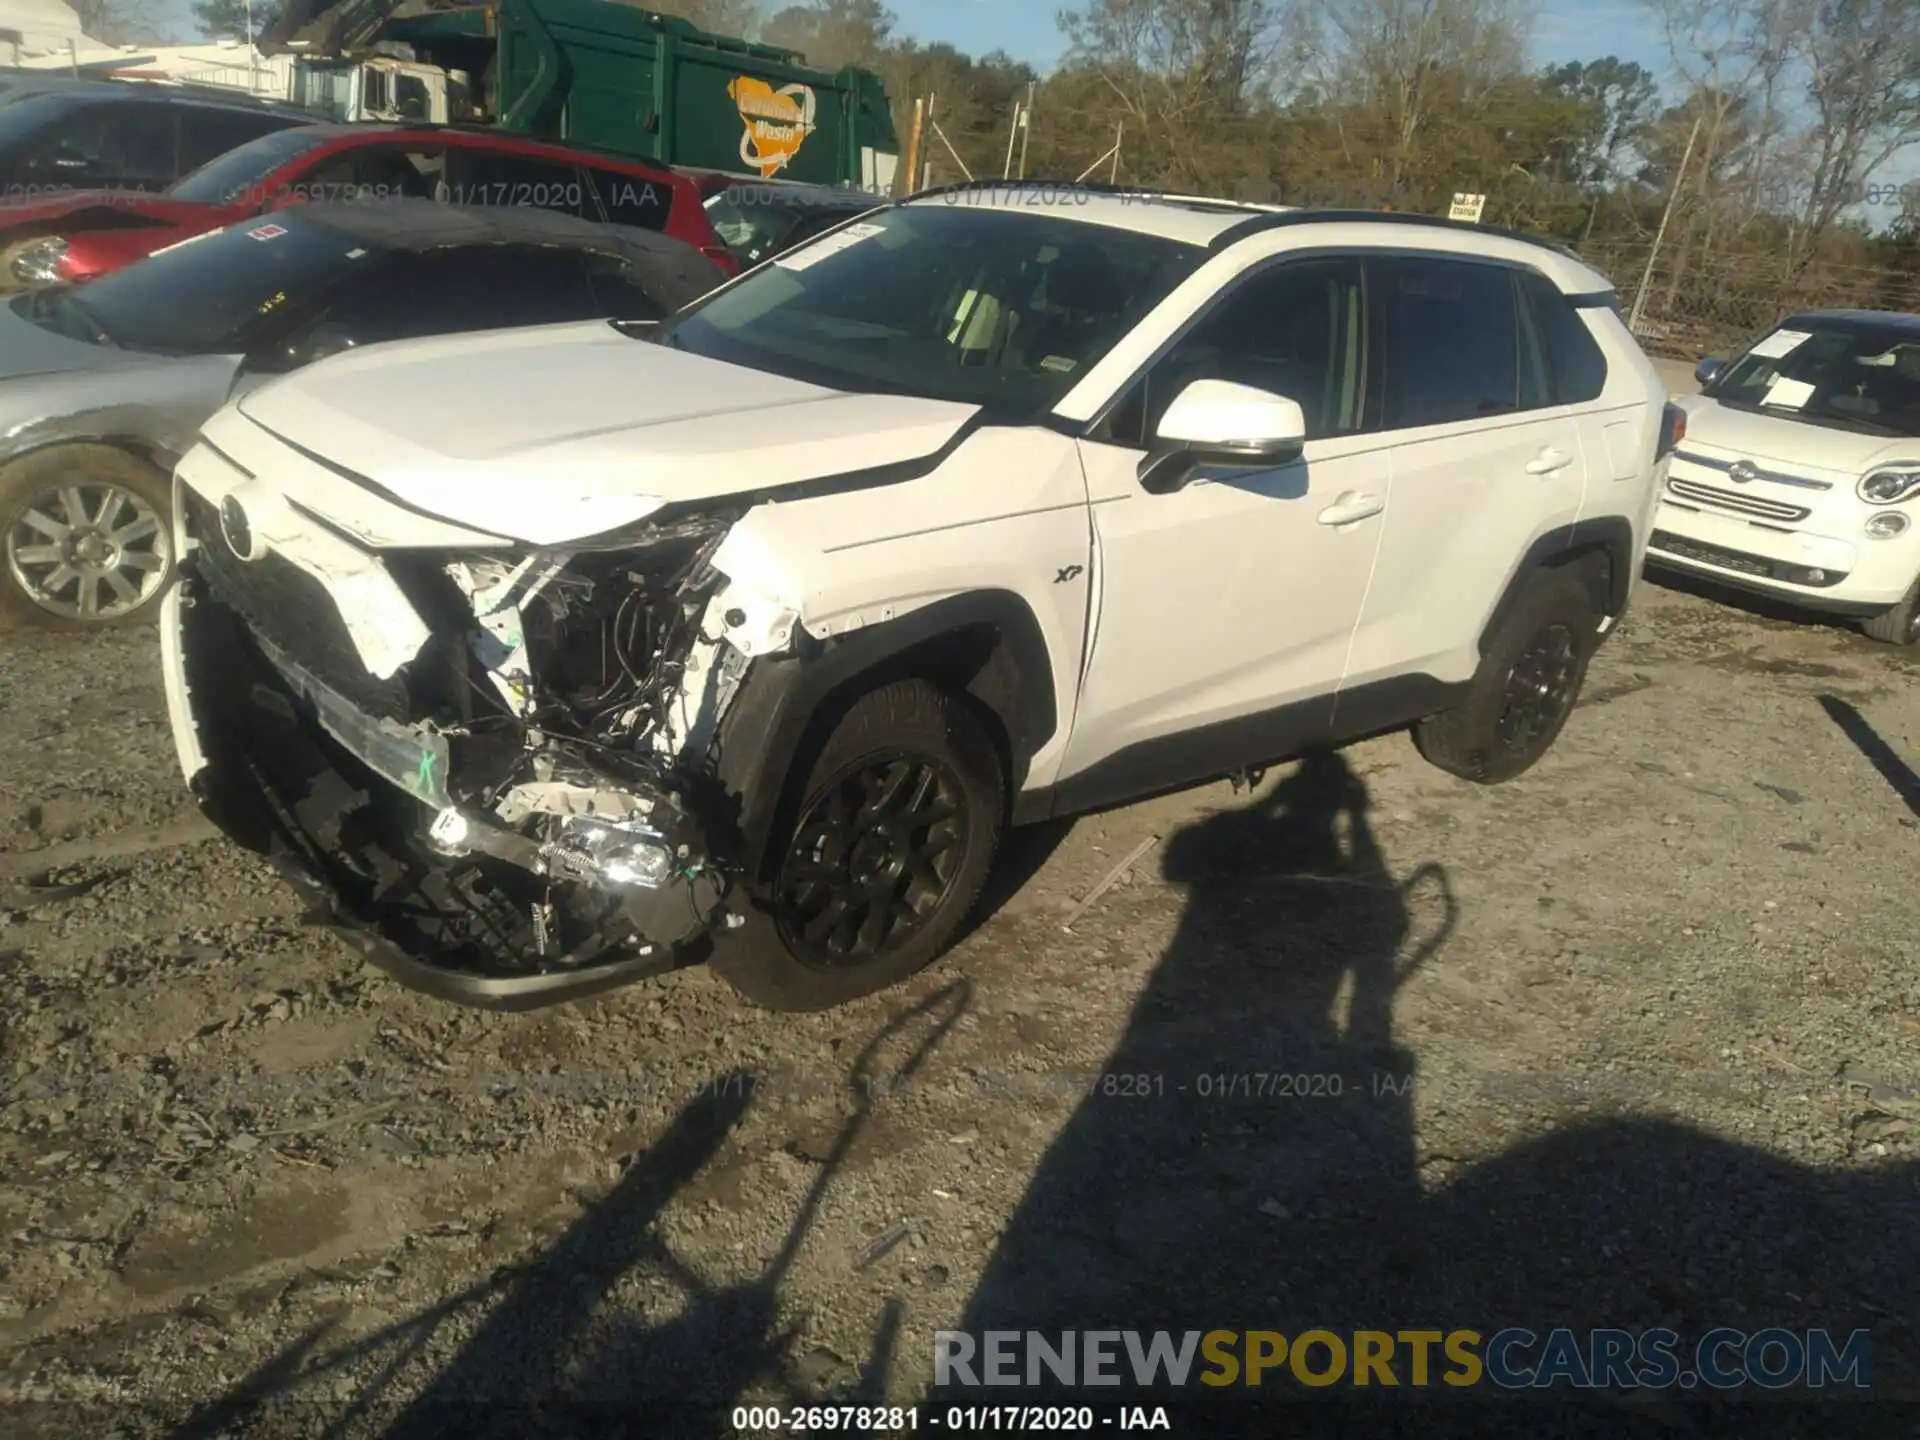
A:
[1363,1048]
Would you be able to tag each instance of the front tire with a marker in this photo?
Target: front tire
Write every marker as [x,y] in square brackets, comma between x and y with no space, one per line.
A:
[1529,678]
[896,830]
[86,538]
[1899,625]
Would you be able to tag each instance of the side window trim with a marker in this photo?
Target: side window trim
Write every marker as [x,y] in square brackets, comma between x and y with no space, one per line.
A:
[1256,270]
[1530,356]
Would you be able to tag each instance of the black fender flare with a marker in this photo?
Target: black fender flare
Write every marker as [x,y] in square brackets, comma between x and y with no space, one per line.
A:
[1611,534]
[986,643]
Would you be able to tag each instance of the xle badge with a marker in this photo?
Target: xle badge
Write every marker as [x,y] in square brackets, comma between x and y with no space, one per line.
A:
[1065,575]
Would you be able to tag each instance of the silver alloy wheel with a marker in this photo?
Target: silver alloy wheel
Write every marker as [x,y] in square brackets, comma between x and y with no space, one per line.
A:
[89,551]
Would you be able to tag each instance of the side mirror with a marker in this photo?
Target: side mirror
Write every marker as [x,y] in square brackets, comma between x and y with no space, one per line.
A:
[1709,370]
[327,338]
[279,357]
[1216,422]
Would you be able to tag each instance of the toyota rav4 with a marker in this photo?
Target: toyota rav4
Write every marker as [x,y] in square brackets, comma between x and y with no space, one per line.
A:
[553,659]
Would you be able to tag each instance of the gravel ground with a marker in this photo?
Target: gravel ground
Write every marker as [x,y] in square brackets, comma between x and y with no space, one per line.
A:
[1631,1040]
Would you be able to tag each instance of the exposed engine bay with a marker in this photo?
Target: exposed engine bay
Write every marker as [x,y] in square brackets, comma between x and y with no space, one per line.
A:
[532,794]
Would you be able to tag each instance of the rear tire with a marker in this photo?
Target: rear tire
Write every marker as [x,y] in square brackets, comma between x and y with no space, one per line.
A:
[1899,625]
[1527,684]
[896,830]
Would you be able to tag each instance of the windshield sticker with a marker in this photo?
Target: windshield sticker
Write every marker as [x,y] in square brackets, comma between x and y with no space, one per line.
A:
[266,232]
[1058,363]
[1787,394]
[355,253]
[1780,344]
[827,246]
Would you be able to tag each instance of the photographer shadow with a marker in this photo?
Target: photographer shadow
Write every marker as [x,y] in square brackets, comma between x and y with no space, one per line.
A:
[1276,1121]
[1274,1178]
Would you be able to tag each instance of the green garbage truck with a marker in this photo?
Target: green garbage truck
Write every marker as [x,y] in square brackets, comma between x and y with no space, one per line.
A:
[594,73]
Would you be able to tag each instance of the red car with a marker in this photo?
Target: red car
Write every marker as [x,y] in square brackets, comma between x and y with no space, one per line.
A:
[85,233]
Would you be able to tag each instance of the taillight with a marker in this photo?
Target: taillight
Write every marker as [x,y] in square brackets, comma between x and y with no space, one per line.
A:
[1673,429]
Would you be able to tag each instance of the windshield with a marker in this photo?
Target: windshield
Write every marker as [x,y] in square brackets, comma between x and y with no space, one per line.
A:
[211,294]
[1862,377]
[988,307]
[239,173]
[751,228]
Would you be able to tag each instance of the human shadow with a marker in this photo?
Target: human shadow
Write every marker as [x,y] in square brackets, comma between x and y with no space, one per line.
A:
[553,1346]
[1273,1176]
[1275,1105]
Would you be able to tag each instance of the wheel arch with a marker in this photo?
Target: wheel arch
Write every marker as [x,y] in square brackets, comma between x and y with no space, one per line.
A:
[144,448]
[1599,551]
[986,645]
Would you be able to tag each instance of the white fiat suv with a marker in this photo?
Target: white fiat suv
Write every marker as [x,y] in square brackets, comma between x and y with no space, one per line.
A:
[1799,476]
[553,659]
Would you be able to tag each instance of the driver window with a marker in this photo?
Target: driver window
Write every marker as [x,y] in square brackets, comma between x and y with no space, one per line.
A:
[411,98]
[1292,329]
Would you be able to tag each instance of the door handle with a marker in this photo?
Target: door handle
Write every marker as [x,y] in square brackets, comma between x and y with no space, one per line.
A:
[1350,507]
[1548,461]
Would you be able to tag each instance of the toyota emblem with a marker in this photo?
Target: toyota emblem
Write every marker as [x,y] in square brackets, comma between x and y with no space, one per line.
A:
[1742,472]
[234,528]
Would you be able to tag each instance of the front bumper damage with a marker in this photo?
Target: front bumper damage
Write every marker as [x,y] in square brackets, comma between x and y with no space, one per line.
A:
[452,819]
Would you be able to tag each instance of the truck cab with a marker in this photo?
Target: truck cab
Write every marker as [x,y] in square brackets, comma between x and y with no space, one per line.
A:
[381,88]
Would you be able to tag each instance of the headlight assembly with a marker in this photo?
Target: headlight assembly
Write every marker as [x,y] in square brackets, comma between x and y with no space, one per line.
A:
[1890,486]
[38,261]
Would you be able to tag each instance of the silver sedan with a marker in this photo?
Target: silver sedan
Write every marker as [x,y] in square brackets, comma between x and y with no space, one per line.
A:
[104,386]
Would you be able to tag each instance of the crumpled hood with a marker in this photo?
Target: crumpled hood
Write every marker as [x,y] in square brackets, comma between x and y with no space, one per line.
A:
[562,432]
[1799,447]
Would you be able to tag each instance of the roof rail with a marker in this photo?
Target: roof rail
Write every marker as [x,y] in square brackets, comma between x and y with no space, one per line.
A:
[1090,187]
[1307,216]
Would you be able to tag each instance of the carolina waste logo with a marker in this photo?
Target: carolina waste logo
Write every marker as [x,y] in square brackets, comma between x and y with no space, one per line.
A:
[777,121]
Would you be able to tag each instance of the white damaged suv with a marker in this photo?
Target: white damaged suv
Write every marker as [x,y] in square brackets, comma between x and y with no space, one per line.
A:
[553,659]
[1801,468]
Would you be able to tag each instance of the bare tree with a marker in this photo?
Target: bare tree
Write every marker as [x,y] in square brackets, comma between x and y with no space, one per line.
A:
[1863,63]
[1401,59]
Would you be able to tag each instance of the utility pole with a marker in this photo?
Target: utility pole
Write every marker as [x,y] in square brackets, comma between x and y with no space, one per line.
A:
[1119,133]
[1013,135]
[1026,129]
[253,55]
[1673,198]
[908,179]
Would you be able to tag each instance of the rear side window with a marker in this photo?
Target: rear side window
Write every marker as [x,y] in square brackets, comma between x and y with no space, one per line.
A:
[494,177]
[205,134]
[1576,367]
[1449,341]
[633,199]
[373,172]
[117,143]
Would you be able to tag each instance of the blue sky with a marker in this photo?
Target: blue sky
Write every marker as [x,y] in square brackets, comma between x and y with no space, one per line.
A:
[1565,29]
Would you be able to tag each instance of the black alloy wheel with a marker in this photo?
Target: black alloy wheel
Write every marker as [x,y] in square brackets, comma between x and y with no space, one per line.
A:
[873,857]
[1539,688]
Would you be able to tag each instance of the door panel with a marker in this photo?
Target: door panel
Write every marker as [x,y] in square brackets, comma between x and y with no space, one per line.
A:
[1482,462]
[1225,609]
